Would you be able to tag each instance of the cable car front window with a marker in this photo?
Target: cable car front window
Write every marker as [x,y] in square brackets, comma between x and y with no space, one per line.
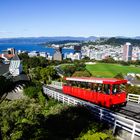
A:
[122,87]
[116,89]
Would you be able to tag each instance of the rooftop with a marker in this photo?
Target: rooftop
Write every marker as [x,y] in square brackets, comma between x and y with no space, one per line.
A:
[8,56]
[15,57]
[3,68]
[97,80]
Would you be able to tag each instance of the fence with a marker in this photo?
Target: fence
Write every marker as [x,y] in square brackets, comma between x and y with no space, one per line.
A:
[133,98]
[99,112]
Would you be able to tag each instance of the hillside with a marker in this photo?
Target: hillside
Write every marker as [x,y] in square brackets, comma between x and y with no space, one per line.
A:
[121,41]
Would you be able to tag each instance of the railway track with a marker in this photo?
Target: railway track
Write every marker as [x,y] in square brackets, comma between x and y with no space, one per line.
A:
[130,111]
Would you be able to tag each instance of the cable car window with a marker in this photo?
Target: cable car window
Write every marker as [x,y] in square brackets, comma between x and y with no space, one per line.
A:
[89,86]
[95,87]
[116,89]
[78,84]
[122,87]
[72,83]
[100,87]
[67,83]
[84,85]
[107,89]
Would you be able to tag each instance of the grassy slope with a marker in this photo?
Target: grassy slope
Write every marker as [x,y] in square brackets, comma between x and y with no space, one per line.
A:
[110,70]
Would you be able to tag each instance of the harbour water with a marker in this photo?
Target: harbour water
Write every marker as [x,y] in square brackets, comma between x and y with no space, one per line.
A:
[32,47]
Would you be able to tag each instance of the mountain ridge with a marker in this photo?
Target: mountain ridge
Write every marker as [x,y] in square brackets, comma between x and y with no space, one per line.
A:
[38,40]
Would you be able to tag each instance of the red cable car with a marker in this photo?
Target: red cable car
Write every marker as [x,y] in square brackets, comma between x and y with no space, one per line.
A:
[107,92]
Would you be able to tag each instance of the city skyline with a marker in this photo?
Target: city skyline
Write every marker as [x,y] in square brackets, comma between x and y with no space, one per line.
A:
[35,18]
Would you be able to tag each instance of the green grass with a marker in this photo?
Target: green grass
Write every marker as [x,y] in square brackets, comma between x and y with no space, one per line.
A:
[110,70]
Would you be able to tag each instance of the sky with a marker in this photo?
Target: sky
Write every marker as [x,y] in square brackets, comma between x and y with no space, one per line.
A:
[36,18]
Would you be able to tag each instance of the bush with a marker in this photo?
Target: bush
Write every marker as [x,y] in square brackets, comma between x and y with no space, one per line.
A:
[31,91]
[81,74]
[42,99]
[132,89]
[119,76]
[96,132]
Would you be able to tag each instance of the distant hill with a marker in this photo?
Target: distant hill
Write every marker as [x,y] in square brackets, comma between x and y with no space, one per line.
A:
[61,42]
[121,41]
[137,37]
[38,40]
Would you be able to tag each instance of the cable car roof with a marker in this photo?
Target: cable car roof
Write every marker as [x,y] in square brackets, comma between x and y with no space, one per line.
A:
[97,80]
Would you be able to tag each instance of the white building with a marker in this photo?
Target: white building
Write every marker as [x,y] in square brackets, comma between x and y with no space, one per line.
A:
[43,54]
[138,56]
[75,56]
[33,54]
[97,55]
[15,67]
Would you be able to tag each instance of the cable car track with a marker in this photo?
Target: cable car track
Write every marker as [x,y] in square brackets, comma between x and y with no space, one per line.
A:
[130,111]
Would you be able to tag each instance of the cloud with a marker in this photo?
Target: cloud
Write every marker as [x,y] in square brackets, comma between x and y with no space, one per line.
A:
[5,32]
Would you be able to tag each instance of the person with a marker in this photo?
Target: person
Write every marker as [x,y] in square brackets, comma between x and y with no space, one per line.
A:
[115,90]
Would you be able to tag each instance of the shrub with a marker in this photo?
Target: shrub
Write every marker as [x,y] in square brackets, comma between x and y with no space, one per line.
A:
[31,91]
[81,74]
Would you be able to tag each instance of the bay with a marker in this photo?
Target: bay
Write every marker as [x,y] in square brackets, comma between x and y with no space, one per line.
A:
[32,47]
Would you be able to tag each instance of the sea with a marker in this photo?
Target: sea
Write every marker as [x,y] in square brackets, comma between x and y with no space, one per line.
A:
[32,47]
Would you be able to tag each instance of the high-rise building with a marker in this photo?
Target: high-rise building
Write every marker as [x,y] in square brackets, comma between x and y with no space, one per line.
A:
[127,52]
[58,53]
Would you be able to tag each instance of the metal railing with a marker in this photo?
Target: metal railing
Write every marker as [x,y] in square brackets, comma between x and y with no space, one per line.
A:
[61,97]
[133,98]
[103,114]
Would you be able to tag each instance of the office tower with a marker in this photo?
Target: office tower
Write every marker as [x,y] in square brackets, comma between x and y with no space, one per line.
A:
[127,52]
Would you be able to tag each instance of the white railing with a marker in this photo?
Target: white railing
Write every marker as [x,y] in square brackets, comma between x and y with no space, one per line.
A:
[61,97]
[133,98]
[99,112]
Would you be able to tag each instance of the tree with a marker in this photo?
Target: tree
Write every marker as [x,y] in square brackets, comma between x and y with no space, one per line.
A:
[33,62]
[69,69]
[31,91]
[80,66]
[24,56]
[35,74]
[47,74]
[21,119]
[119,76]
[43,61]
[109,59]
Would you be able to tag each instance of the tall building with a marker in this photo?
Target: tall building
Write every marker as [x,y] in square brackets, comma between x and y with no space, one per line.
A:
[127,52]
[58,54]
[15,67]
